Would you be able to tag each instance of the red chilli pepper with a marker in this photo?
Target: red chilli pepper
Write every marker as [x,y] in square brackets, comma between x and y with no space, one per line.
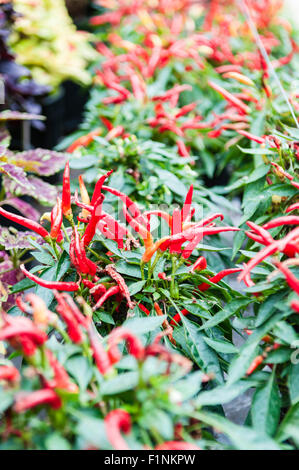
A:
[293,207]
[218,277]
[230,98]
[182,149]
[177,316]
[254,138]
[85,140]
[144,309]
[119,334]
[110,269]
[30,224]
[291,279]
[162,276]
[112,291]
[100,355]
[72,323]
[39,397]
[255,364]
[285,220]
[64,286]
[56,221]
[66,192]
[24,329]
[199,265]
[61,379]
[9,373]
[115,422]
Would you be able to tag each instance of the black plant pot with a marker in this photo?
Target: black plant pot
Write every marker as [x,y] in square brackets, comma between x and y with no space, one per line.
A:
[53,108]
[75,100]
[77,8]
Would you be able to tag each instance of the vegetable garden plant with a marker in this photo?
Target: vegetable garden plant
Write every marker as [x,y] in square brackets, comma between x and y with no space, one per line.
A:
[163,282]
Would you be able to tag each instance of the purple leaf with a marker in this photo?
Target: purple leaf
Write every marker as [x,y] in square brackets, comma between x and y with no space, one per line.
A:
[8,115]
[8,277]
[41,161]
[11,238]
[45,193]
[25,208]
[16,177]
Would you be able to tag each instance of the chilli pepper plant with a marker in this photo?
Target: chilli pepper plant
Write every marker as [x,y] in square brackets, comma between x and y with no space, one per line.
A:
[161,288]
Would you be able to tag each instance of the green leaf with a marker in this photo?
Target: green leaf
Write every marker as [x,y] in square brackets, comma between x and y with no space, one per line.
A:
[289,427]
[92,430]
[6,399]
[265,410]
[136,287]
[229,310]
[43,257]
[24,284]
[123,267]
[248,351]
[242,437]
[221,346]
[159,422]
[121,383]
[141,326]
[202,354]
[171,181]
[80,369]
[293,383]
[258,173]
[224,394]
[57,442]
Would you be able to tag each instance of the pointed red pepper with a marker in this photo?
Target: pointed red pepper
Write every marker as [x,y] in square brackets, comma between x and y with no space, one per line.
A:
[30,224]
[66,192]
[255,364]
[98,187]
[230,98]
[64,286]
[39,397]
[182,149]
[144,309]
[254,138]
[115,422]
[199,265]
[61,378]
[9,373]
[86,266]
[94,220]
[72,323]
[23,331]
[119,334]
[100,355]
[85,140]
[218,277]
[291,279]
[56,221]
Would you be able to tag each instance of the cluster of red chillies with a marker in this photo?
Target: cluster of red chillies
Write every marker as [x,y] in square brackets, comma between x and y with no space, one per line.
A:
[136,63]
[28,335]
[184,236]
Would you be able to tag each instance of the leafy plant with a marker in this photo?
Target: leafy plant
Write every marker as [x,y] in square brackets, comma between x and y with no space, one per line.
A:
[46,41]
[20,91]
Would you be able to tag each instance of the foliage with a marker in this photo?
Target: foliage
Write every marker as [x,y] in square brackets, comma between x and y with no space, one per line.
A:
[20,91]
[46,41]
